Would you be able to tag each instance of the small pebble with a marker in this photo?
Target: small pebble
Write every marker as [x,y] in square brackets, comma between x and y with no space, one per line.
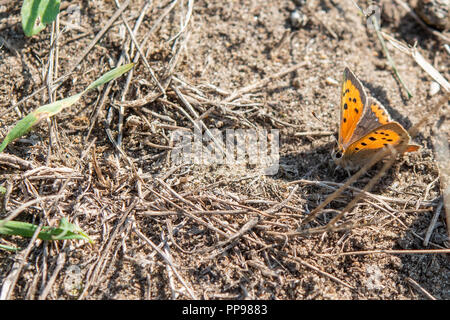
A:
[331,81]
[300,2]
[434,12]
[434,88]
[447,48]
[298,19]
[296,83]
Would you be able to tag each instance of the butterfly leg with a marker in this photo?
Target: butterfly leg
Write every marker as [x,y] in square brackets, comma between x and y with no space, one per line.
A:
[348,172]
[339,167]
[335,169]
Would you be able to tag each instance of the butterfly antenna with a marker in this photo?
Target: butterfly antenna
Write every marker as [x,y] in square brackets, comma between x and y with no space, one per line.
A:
[317,118]
[334,138]
[323,124]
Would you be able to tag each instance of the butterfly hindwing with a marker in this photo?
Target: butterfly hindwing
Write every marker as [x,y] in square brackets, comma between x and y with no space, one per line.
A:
[391,133]
[353,101]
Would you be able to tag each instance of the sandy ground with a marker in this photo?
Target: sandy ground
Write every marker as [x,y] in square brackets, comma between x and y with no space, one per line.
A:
[168,231]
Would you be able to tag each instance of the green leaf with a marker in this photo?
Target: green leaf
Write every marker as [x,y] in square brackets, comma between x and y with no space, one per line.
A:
[110,75]
[36,14]
[24,125]
[2,190]
[65,230]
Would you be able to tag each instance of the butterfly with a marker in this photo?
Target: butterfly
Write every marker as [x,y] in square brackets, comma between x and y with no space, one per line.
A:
[365,127]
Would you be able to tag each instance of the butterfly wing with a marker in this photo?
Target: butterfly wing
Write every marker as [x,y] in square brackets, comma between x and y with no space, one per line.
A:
[378,110]
[374,116]
[353,102]
[391,133]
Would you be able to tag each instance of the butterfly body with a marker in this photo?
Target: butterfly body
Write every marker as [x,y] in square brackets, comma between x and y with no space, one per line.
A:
[365,127]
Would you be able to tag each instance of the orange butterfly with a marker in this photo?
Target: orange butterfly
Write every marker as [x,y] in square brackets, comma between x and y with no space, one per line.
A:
[365,127]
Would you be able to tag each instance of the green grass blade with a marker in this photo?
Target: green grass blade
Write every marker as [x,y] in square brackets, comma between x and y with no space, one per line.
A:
[110,75]
[24,125]
[53,108]
[65,230]
[8,248]
[36,14]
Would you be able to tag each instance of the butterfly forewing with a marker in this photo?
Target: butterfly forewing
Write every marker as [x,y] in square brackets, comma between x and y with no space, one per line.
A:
[374,116]
[379,111]
[353,100]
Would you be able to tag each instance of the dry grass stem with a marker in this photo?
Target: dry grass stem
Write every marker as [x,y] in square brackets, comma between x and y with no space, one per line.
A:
[420,289]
